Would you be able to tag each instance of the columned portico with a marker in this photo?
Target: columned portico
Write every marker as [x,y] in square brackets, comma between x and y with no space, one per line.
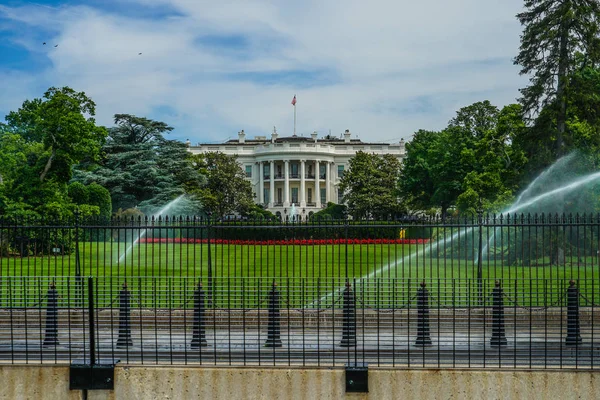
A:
[261,183]
[317,186]
[302,185]
[286,187]
[271,184]
[296,169]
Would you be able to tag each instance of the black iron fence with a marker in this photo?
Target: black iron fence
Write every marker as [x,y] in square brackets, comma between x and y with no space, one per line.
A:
[300,321]
[491,291]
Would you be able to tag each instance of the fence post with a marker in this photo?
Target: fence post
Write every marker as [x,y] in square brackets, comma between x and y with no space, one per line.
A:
[349,318]
[124,339]
[51,334]
[78,277]
[273,325]
[211,297]
[498,333]
[423,335]
[573,330]
[199,335]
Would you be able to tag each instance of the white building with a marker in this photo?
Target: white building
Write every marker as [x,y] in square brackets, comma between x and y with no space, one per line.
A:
[296,176]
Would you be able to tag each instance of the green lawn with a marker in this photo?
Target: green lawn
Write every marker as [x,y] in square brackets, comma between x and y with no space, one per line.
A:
[306,275]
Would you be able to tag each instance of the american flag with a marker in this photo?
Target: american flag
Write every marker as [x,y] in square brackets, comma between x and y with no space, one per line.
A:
[294,100]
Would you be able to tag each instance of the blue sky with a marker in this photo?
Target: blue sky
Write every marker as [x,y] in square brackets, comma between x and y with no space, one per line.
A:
[382,69]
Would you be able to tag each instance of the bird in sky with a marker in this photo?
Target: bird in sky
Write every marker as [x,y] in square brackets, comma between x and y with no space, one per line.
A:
[44,43]
[139,54]
[55,45]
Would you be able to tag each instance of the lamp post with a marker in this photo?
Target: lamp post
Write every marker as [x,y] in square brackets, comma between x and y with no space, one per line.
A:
[285,215]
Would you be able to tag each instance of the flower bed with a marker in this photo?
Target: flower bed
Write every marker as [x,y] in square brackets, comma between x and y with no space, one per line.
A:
[286,242]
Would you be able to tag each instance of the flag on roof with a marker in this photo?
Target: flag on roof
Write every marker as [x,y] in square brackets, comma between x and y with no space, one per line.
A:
[294,100]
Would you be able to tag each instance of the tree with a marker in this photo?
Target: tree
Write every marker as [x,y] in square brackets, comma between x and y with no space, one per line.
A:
[141,168]
[369,185]
[63,122]
[554,32]
[474,160]
[226,189]
[38,146]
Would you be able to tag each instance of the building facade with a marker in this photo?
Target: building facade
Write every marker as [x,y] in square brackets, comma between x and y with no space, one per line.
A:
[294,177]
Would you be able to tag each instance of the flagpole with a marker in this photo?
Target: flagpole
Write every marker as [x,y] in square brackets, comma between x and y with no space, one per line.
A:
[294,116]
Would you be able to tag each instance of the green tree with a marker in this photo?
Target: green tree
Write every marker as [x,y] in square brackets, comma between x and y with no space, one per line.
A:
[369,185]
[39,145]
[141,168]
[63,122]
[554,33]
[226,189]
[474,160]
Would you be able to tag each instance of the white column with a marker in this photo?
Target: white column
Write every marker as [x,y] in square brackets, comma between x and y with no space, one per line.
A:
[286,193]
[272,182]
[317,187]
[261,183]
[302,185]
[328,182]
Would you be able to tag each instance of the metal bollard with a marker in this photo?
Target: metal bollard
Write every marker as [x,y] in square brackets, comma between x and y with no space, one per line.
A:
[51,334]
[199,335]
[423,335]
[124,339]
[573,329]
[274,323]
[349,318]
[498,333]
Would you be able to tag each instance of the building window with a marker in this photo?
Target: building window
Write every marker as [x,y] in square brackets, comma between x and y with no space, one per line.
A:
[279,173]
[340,196]
[279,195]
[295,195]
[266,194]
[267,171]
[323,196]
[340,171]
[248,171]
[309,195]
[322,171]
[294,173]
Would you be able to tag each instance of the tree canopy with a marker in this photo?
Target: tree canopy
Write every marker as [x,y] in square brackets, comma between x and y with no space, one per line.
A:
[554,33]
[39,144]
[369,186]
[141,168]
[226,190]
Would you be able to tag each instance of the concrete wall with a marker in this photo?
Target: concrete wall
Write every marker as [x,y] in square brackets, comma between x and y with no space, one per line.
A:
[48,382]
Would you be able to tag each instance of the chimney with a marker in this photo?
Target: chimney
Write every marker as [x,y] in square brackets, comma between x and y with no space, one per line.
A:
[241,137]
[188,143]
[274,135]
[401,145]
[347,136]
[314,136]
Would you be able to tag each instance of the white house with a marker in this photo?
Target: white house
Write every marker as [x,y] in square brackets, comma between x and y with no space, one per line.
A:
[296,176]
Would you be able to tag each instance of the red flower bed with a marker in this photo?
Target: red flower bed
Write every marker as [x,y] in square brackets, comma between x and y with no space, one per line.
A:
[288,242]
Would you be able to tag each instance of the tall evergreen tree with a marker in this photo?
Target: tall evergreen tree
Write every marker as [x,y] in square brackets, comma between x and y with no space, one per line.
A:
[140,167]
[554,32]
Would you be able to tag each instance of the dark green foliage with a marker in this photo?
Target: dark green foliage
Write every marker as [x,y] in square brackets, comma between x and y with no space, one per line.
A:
[369,186]
[78,193]
[332,211]
[100,196]
[554,33]
[226,190]
[39,145]
[141,168]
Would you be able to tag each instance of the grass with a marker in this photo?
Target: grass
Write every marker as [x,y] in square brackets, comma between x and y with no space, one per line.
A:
[242,275]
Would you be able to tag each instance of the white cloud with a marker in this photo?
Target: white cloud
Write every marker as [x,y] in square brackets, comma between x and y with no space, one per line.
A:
[396,66]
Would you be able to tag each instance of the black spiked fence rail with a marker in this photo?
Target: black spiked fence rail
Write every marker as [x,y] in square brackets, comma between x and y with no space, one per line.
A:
[417,324]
